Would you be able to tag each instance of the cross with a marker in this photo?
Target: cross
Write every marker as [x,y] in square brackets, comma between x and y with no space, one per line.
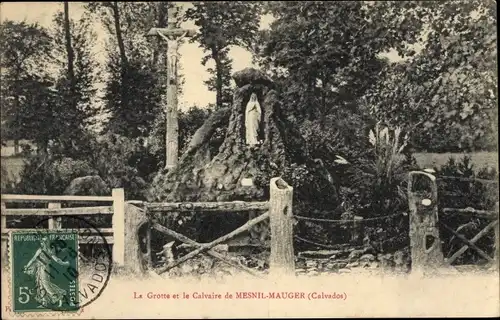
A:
[172,35]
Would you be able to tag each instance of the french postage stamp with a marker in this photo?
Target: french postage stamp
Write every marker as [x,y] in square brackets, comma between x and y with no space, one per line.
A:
[44,271]
[50,273]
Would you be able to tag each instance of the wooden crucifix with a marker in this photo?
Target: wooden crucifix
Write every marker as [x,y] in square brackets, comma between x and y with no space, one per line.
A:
[173,36]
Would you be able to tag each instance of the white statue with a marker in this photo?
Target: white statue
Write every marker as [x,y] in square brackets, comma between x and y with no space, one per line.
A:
[252,120]
[172,52]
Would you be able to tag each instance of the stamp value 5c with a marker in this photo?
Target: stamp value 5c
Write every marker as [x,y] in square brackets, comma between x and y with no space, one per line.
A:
[44,271]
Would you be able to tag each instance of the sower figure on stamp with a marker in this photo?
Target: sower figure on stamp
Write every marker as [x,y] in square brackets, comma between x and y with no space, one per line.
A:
[46,291]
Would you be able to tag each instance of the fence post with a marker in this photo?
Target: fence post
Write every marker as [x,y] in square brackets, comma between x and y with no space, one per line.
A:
[118,226]
[496,255]
[4,216]
[54,222]
[425,243]
[282,261]
[5,244]
[136,222]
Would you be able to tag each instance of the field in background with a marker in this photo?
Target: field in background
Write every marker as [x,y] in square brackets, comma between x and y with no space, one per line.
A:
[479,159]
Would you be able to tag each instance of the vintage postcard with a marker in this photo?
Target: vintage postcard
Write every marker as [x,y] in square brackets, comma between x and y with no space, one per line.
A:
[232,159]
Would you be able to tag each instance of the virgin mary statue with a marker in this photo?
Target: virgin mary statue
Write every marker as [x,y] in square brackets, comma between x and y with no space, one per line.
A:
[252,120]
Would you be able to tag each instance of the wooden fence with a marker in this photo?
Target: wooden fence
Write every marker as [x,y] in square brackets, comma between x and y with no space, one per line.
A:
[54,212]
[425,240]
[130,217]
[278,209]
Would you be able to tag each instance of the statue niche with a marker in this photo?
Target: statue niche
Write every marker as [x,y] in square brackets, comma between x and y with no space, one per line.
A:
[253,121]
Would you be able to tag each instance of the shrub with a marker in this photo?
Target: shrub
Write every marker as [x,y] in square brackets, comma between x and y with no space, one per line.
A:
[369,172]
[381,178]
[124,163]
[46,174]
[379,182]
[466,191]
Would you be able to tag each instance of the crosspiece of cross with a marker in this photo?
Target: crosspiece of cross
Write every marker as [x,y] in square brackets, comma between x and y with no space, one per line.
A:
[173,36]
[171,33]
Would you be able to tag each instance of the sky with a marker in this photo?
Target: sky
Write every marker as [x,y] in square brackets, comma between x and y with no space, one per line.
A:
[195,91]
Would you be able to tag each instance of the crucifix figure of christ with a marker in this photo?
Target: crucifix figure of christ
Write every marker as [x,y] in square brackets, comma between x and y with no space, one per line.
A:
[172,53]
[172,35]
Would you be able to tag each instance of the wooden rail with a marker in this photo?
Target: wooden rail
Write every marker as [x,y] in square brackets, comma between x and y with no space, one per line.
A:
[46,199]
[232,206]
[471,212]
[58,211]
[278,210]
[114,235]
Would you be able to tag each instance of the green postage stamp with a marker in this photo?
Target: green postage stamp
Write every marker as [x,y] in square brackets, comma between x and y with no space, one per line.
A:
[44,271]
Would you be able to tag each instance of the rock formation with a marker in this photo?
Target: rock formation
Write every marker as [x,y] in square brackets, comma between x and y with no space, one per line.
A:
[240,170]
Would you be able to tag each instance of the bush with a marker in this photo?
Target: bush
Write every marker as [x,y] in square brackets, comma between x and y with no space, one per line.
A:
[7,183]
[380,182]
[124,163]
[45,174]
[369,171]
[467,192]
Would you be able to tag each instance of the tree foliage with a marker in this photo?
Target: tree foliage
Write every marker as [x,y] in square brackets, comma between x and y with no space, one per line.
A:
[132,90]
[76,77]
[326,54]
[222,25]
[47,175]
[448,89]
[38,87]
[25,90]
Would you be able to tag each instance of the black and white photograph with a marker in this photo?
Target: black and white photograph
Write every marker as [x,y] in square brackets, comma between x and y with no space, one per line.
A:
[249,159]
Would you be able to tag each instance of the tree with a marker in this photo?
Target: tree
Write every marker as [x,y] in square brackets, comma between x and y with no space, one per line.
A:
[326,54]
[447,92]
[75,84]
[222,25]
[132,97]
[26,96]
